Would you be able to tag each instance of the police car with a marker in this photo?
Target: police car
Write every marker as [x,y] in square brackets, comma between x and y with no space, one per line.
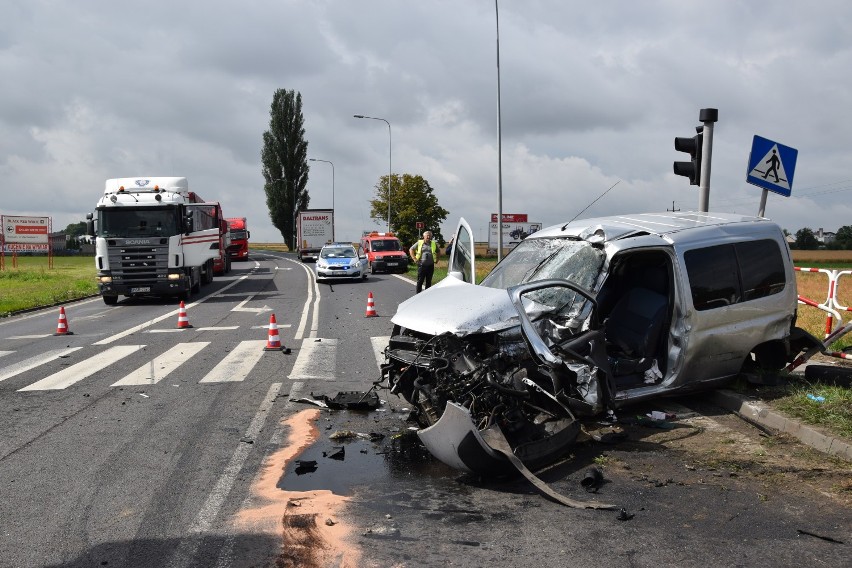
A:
[340,260]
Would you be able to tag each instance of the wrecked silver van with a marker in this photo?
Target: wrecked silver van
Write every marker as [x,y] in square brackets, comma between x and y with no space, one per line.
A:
[583,318]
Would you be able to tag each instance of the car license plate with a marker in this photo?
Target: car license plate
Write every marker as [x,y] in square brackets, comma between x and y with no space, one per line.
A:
[393,263]
[140,289]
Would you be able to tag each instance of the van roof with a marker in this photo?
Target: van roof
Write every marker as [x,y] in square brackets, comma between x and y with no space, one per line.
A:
[659,224]
[375,234]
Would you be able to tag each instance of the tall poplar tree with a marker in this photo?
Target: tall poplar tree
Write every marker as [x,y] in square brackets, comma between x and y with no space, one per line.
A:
[285,165]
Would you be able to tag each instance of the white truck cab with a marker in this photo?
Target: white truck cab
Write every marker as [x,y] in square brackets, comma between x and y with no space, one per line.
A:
[153,236]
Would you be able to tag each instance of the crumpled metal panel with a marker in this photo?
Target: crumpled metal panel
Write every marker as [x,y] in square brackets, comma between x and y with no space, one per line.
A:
[461,309]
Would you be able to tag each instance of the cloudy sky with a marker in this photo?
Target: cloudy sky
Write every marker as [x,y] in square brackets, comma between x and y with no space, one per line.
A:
[592,93]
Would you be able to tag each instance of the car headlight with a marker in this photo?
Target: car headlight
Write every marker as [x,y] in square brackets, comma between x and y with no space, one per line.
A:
[322,264]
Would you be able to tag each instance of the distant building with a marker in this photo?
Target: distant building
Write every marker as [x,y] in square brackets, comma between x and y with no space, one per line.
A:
[824,237]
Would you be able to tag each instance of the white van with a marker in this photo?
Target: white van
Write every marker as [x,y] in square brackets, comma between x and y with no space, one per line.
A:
[583,318]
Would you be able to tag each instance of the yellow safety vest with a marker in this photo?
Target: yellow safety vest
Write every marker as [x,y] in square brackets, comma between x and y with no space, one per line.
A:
[420,248]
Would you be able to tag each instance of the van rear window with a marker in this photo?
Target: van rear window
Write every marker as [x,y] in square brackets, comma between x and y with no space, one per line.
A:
[727,274]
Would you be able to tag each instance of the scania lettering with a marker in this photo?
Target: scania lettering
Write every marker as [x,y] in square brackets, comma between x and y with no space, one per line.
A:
[154,237]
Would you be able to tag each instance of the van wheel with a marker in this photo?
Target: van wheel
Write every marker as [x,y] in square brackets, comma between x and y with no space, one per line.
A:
[110,300]
[372,270]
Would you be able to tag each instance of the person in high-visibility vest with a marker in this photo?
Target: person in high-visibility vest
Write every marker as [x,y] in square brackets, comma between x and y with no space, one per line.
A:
[425,253]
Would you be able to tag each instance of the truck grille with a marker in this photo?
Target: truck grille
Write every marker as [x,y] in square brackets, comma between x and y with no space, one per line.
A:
[138,264]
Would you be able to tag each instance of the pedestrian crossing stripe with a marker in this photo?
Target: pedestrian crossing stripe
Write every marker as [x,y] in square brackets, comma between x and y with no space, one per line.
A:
[159,367]
[236,364]
[316,360]
[33,362]
[79,371]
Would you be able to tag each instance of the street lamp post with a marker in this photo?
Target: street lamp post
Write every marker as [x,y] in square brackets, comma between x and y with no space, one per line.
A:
[390,158]
[332,190]
[499,147]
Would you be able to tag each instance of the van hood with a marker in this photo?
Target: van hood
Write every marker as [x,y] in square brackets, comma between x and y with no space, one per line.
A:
[458,308]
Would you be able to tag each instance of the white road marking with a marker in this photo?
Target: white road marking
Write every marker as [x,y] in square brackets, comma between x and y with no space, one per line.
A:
[239,307]
[2,353]
[31,336]
[313,288]
[141,326]
[34,362]
[237,364]
[159,368]
[75,373]
[316,360]
[379,344]
[186,550]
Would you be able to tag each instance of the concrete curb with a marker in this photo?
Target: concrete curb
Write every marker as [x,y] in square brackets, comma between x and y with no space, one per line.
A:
[758,412]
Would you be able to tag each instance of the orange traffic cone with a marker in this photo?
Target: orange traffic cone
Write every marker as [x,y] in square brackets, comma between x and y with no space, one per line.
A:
[371,308]
[273,343]
[183,320]
[62,325]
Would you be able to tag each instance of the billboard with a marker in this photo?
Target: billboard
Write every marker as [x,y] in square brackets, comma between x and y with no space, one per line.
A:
[510,217]
[26,231]
[513,233]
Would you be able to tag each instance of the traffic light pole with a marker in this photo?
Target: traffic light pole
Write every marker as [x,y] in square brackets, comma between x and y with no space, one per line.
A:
[708,116]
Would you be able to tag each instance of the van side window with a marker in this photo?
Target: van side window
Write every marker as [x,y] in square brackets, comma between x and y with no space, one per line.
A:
[713,276]
[731,273]
[763,268]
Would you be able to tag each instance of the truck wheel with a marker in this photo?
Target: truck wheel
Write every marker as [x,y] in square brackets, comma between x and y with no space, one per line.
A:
[110,300]
[207,272]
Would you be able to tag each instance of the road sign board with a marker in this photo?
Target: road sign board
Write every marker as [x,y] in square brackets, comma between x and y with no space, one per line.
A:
[771,166]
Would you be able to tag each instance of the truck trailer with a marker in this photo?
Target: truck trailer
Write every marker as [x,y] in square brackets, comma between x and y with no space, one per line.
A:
[314,228]
[154,237]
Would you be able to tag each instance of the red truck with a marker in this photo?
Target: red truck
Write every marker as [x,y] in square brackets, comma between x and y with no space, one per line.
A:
[238,249]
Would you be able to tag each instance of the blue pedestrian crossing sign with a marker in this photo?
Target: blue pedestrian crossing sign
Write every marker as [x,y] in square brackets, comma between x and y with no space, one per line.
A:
[771,166]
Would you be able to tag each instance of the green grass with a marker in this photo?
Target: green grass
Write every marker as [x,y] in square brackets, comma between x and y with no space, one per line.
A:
[32,283]
[835,414]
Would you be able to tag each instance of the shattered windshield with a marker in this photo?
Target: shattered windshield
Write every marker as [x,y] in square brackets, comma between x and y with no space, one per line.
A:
[541,259]
[578,262]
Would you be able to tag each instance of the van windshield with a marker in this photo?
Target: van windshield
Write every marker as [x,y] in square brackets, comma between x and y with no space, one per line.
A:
[578,262]
[385,245]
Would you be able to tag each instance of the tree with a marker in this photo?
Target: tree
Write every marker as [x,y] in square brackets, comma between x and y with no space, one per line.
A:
[806,240]
[285,165]
[412,200]
[844,237]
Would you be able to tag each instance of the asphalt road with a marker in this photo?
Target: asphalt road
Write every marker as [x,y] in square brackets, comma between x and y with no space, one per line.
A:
[134,443]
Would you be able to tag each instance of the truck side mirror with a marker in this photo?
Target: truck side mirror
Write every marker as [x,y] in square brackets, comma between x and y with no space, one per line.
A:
[90,225]
[248,234]
[187,223]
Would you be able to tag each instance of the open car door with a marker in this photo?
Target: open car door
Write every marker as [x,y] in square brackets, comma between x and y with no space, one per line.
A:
[461,262]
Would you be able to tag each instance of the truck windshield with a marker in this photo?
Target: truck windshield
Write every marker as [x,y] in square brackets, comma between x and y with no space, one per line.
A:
[538,259]
[238,235]
[127,222]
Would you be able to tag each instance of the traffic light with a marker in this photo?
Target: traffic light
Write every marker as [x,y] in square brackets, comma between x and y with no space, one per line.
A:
[693,147]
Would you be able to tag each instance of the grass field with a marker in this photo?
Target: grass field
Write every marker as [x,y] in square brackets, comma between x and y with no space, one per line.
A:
[32,284]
